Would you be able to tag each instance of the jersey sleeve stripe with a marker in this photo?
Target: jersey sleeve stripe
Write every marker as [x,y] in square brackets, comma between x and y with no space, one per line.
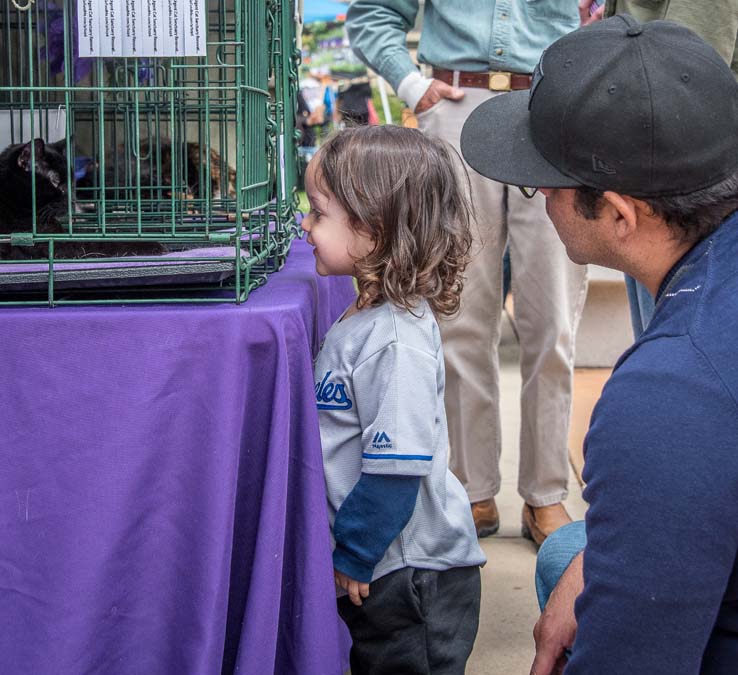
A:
[425,458]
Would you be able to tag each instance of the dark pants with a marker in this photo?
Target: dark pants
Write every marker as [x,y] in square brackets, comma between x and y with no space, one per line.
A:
[415,622]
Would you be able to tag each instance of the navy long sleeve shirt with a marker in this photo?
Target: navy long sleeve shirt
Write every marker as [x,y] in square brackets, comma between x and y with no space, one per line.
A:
[660,572]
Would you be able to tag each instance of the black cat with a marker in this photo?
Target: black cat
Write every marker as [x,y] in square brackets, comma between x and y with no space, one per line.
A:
[15,186]
[52,203]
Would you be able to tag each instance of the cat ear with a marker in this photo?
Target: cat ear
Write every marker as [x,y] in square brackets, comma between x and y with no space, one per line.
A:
[39,146]
[24,158]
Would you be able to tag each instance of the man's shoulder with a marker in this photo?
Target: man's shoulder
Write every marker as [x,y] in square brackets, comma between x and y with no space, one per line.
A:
[666,366]
[666,405]
[714,330]
[699,304]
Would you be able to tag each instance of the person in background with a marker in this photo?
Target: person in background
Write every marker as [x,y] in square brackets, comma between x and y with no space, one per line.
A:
[387,208]
[478,50]
[352,102]
[302,123]
[715,21]
[655,195]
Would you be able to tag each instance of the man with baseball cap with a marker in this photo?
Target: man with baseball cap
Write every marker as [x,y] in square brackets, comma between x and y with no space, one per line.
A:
[631,133]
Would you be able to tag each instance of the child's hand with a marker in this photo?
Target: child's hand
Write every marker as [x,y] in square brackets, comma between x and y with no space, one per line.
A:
[355,589]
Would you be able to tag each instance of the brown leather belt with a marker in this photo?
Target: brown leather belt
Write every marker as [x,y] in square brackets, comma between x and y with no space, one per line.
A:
[496,80]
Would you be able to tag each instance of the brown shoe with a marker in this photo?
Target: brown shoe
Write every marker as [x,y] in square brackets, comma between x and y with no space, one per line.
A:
[540,521]
[486,518]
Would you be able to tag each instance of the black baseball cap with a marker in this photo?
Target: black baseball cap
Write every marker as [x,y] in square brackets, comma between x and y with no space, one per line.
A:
[642,109]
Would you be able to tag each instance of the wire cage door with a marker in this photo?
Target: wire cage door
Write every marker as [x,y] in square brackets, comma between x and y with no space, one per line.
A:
[145,177]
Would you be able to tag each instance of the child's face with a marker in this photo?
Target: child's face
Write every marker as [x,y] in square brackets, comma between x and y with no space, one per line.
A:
[336,245]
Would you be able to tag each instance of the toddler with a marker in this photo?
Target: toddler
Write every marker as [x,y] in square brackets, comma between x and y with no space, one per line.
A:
[386,206]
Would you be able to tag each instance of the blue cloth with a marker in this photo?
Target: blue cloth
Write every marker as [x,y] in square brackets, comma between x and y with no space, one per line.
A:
[329,101]
[473,35]
[555,555]
[370,518]
[641,305]
[660,566]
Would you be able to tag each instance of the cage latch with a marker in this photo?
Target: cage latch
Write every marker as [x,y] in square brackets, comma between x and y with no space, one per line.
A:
[220,237]
[21,239]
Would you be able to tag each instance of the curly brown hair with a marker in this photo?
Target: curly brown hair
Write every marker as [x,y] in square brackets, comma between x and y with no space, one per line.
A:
[404,190]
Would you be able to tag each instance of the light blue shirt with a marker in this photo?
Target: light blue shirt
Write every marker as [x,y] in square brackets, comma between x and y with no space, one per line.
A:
[470,35]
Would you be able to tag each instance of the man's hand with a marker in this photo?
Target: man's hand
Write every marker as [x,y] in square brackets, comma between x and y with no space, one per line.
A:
[555,631]
[584,16]
[355,589]
[435,93]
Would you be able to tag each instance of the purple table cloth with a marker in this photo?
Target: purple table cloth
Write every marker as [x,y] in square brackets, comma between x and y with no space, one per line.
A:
[162,502]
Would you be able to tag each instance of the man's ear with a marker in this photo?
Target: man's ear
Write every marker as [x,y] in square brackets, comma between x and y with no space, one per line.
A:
[626,212]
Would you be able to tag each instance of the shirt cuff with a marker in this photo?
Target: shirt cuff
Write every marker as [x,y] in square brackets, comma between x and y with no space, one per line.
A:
[356,568]
[413,88]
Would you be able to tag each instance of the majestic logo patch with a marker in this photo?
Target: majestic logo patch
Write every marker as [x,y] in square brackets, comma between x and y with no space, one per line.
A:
[331,395]
[601,166]
[381,441]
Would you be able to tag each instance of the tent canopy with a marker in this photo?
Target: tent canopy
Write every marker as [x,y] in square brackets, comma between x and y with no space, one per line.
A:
[323,10]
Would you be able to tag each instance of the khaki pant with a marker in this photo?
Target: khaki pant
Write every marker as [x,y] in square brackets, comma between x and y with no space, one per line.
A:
[549,292]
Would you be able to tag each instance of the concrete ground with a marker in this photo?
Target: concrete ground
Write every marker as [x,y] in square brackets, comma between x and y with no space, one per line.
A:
[509,611]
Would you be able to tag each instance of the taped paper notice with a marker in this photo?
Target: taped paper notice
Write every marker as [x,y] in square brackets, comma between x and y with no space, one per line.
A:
[142,28]
[110,28]
[173,29]
[88,27]
[194,28]
[151,28]
[132,35]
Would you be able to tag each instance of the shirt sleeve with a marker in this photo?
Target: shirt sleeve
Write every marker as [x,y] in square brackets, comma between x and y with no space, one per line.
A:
[372,516]
[718,24]
[662,484]
[377,32]
[397,401]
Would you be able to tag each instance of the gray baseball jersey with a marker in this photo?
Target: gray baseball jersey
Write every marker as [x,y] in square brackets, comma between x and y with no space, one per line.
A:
[379,389]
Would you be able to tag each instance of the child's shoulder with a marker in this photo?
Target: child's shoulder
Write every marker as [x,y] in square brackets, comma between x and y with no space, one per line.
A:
[416,328]
[376,328]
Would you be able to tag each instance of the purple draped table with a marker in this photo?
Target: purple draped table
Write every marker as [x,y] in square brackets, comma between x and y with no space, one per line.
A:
[162,501]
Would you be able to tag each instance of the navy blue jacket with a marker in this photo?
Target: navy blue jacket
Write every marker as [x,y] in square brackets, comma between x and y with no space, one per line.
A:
[661,466]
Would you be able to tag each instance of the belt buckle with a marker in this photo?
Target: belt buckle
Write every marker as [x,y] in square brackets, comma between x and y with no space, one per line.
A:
[500,80]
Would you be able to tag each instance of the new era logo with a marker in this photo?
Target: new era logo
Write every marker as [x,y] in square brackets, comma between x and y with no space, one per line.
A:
[381,440]
[601,166]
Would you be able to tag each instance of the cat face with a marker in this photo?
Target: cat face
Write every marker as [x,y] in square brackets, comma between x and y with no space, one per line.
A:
[50,163]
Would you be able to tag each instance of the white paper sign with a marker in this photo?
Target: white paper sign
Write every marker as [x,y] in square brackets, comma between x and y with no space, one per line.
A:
[151,28]
[138,28]
[194,27]
[132,33]
[88,27]
[111,34]
[173,28]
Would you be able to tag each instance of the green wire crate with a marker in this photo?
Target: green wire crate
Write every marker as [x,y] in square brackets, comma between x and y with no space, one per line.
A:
[193,153]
